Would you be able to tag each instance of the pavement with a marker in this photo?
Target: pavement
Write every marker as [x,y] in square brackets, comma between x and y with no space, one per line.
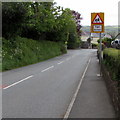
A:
[93,100]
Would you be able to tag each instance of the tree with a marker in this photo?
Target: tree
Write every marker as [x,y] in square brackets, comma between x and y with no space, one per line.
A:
[64,24]
[41,21]
[75,32]
[13,15]
[77,18]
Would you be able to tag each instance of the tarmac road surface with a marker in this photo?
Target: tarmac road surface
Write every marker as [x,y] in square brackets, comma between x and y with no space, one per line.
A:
[45,89]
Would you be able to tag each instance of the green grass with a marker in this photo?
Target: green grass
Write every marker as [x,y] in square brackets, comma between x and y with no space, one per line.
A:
[22,51]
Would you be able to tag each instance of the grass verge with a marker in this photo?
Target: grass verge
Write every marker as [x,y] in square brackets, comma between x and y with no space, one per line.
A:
[22,51]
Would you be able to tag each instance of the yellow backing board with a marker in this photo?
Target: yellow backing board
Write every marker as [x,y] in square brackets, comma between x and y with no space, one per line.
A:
[97,22]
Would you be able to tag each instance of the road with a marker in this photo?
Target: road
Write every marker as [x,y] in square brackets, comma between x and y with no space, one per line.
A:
[45,89]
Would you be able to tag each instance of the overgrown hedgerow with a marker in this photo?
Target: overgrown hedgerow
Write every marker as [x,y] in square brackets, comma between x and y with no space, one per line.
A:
[23,51]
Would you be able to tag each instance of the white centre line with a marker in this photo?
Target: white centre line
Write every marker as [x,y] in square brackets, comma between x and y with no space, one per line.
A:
[68,59]
[60,62]
[18,82]
[47,69]
[75,94]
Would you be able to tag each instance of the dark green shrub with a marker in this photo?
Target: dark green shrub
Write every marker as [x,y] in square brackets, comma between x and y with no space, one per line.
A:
[73,41]
[63,48]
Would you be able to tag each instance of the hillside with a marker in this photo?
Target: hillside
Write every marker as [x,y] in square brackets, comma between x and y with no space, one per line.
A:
[108,29]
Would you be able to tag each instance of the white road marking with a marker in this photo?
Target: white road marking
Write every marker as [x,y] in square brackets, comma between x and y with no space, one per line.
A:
[68,59]
[98,75]
[97,60]
[75,94]
[47,69]
[60,62]
[18,82]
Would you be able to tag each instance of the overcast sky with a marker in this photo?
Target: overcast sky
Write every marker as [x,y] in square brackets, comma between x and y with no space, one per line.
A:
[86,7]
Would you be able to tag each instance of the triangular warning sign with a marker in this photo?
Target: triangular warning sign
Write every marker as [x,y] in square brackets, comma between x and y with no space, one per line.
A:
[97,20]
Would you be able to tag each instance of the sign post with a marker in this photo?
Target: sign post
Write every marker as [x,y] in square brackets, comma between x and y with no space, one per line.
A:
[97,26]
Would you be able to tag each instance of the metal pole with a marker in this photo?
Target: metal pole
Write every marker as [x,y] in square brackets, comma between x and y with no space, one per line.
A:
[100,57]
[90,40]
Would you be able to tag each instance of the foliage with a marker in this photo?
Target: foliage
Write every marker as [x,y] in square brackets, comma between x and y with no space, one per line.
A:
[39,20]
[13,15]
[111,58]
[37,23]
[77,18]
[23,51]
[64,24]
[94,45]
[106,41]
[74,41]
[75,31]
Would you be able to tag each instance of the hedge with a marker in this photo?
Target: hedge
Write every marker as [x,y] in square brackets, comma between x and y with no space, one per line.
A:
[20,52]
[111,58]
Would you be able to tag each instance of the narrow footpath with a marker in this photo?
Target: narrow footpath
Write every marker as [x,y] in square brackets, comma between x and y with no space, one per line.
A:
[93,100]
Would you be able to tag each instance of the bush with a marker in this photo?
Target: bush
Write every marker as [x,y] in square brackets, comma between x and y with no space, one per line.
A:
[111,58]
[73,41]
[106,41]
[23,51]
[94,45]
[63,48]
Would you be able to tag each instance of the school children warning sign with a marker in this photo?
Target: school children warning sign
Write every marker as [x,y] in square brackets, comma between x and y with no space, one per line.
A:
[97,22]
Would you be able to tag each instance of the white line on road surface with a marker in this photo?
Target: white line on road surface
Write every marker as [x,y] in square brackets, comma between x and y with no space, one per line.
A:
[18,82]
[75,94]
[68,59]
[60,62]
[47,69]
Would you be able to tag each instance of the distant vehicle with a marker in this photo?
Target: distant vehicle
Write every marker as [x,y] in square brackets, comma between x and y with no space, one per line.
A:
[85,45]
[116,43]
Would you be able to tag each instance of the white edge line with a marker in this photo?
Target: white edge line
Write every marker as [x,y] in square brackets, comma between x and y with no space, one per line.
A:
[60,62]
[18,82]
[68,59]
[73,56]
[75,94]
[47,69]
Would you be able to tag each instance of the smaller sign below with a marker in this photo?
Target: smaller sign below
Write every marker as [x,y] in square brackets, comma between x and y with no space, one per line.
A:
[97,28]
